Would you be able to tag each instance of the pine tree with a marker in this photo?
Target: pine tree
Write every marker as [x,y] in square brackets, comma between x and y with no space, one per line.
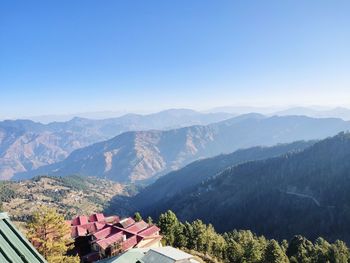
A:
[149,220]
[50,234]
[339,252]
[168,224]
[284,245]
[180,239]
[300,249]
[322,250]
[137,217]
[274,253]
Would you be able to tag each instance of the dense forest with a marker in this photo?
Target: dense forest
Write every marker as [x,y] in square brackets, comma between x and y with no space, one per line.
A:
[243,246]
[271,196]
[183,179]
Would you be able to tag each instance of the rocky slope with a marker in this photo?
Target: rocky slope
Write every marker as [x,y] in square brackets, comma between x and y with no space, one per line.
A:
[144,155]
[27,145]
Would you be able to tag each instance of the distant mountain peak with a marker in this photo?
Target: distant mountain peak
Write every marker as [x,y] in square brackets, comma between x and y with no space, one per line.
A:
[143,155]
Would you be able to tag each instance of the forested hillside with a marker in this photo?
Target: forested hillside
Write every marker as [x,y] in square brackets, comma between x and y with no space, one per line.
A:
[183,179]
[243,246]
[305,192]
[71,195]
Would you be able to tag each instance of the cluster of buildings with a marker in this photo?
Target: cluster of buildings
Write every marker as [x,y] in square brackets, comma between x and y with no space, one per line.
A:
[97,239]
[96,236]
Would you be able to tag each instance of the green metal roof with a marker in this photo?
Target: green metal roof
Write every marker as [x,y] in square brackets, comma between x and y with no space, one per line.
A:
[14,247]
[130,256]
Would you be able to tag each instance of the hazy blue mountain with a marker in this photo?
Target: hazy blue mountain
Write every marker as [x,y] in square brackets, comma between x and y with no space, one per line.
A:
[144,155]
[306,192]
[239,110]
[26,145]
[342,113]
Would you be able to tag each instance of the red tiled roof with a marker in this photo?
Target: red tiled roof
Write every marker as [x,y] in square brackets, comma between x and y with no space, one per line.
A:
[106,232]
[96,218]
[130,242]
[126,222]
[112,219]
[150,231]
[86,229]
[110,230]
[112,239]
[78,231]
[94,227]
[80,220]
[138,227]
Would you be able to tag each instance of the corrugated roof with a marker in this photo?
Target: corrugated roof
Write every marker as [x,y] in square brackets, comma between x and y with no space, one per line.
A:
[14,247]
[152,230]
[112,239]
[138,226]
[131,256]
[166,255]
[126,222]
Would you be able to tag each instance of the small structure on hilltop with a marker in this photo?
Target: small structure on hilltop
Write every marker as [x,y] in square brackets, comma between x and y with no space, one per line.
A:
[153,255]
[98,237]
[14,247]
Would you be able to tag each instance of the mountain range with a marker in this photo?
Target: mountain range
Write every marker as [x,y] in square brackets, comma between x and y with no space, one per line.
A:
[145,155]
[304,192]
[26,145]
[312,111]
[339,112]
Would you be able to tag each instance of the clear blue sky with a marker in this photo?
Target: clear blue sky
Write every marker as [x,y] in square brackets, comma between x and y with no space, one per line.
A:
[68,56]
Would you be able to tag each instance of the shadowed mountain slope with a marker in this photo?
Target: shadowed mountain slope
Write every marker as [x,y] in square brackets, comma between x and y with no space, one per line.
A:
[191,175]
[306,192]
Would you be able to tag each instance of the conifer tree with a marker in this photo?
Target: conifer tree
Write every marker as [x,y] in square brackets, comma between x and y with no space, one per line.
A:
[137,217]
[274,253]
[149,220]
[50,234]
[168,224]
[300,249]
[339,252]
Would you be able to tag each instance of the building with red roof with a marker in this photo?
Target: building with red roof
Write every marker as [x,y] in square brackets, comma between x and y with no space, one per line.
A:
[126,222]
[96,218]
[80,220]
[138,226]
[98,236]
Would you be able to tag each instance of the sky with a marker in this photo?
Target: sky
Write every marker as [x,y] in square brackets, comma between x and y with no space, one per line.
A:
[67,56]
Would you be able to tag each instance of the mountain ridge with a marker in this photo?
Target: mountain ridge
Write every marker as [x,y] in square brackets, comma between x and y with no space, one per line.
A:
[143,155]
[26,145]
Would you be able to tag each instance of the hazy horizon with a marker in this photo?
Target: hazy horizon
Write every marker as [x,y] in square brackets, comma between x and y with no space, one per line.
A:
[234,110]
[156,55]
